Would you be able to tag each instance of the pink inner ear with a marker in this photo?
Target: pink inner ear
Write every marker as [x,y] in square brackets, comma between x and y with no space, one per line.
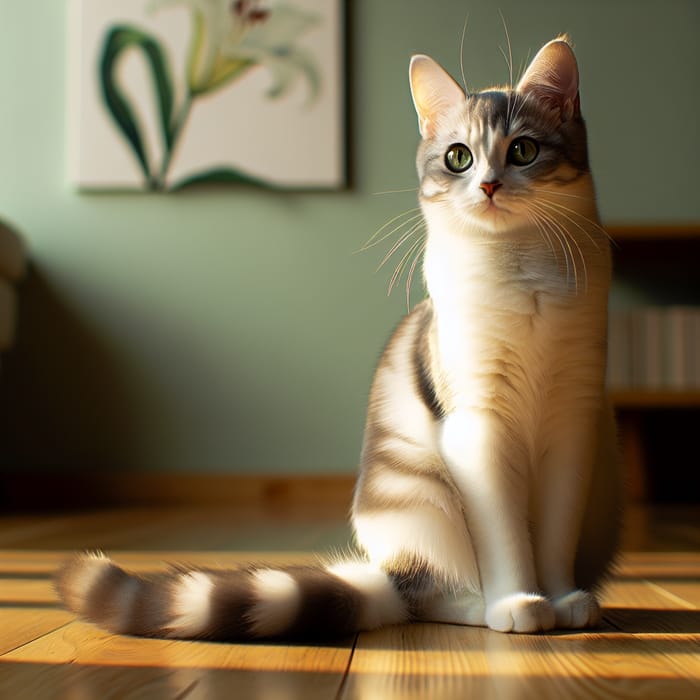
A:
[553,77]
[434,92]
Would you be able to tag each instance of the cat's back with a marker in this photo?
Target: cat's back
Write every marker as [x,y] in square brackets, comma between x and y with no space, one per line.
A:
[403,384]
[407,348]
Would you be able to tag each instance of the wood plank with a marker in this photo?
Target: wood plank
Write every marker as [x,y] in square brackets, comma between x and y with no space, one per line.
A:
[640,595]
[84,643]
[176,667]
[18,564]
[19,591]
[447,662]
[663,625]
[688,590]
[29,681]
[664,565]
[21,626]
[39,561]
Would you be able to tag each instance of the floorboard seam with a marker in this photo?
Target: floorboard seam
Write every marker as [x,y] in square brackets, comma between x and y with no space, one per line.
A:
[35,639]
[346,673]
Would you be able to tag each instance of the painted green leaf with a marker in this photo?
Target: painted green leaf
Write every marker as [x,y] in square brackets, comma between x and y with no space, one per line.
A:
[222,175]
[118,39]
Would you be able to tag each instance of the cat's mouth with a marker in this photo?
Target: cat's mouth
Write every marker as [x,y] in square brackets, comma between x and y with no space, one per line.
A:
[491,207]
[493,213]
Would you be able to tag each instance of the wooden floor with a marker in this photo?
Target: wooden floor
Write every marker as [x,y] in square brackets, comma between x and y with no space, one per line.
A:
[648,646]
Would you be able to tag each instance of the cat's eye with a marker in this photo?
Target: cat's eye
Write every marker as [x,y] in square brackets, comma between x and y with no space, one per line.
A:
[458,158]
[523,151]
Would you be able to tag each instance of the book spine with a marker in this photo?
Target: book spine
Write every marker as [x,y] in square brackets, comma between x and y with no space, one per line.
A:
[653,347]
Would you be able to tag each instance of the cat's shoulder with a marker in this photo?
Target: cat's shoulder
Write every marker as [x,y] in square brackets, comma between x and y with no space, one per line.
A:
[419,317]
[414,326]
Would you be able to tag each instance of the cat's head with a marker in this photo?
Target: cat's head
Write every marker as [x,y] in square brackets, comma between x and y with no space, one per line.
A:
[505,157]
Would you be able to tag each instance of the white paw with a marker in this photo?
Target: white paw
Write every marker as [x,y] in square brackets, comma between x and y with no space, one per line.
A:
[521,612]
[576,610]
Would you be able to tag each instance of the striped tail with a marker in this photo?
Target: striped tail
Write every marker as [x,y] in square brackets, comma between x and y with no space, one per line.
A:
[296,602]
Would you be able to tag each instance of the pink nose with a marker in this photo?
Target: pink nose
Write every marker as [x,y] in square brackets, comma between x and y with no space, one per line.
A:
[490,187]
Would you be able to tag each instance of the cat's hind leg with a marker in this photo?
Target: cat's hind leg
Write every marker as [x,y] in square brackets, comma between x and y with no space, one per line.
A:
[465,608]
[411,523]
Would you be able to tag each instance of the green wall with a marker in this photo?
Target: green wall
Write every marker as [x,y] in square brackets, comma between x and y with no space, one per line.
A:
[235,330]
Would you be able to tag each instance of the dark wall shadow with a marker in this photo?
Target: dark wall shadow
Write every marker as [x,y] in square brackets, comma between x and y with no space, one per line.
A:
[63,403]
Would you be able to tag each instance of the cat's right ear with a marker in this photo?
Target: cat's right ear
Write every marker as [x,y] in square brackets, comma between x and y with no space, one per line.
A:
[434,92]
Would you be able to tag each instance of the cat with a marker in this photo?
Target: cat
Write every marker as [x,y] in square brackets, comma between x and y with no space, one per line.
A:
[489,489]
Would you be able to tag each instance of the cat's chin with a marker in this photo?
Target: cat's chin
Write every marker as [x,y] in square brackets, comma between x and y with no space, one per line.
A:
[496,219]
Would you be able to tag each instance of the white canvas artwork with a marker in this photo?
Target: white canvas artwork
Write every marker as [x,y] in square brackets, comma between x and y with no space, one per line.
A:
[164,94]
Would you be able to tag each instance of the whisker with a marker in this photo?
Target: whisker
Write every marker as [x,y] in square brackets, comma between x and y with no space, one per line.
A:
[504,54]
[561,209]
[588,220]
[545,221]
[509,61]
[518,104]
[409,279]
[408,189]
[461,54]
[523,65]
[535,220]
[398,271]
[375,239]
[560,234]
[568,238]
[405,237]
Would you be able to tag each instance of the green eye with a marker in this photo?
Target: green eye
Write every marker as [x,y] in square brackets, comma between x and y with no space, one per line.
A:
[523,151]
[458,158]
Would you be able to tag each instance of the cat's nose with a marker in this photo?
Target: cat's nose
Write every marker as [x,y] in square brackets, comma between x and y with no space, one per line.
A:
[490,187]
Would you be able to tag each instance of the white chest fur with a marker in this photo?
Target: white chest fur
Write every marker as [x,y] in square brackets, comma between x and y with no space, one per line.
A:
[509,319]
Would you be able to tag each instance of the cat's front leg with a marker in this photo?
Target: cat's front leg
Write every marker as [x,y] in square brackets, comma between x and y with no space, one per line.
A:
[490,469]
[563,480]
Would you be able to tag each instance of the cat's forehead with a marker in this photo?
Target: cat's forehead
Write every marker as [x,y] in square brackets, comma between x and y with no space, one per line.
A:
[490,107]
[503,111]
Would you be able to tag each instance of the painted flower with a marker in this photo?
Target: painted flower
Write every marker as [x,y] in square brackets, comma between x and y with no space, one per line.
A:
[229,38]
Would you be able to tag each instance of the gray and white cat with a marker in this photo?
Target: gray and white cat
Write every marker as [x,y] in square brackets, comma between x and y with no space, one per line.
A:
[489,492]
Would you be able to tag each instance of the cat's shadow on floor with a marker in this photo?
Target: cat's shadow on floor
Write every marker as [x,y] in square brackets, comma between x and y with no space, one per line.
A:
[651,621]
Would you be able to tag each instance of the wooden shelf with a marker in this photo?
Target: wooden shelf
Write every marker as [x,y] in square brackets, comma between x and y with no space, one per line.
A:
[647,255]
[655,398]
[663,232]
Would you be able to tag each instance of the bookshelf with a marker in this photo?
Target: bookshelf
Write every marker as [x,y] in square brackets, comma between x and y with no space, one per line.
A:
[655,234]
[630,399]
[662,264]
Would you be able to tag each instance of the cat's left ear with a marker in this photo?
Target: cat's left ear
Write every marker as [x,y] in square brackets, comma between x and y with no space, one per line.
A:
[434,92]
[553,78]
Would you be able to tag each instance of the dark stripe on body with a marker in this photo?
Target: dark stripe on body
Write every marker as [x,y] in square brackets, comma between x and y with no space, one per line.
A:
[421,354]
[328,607]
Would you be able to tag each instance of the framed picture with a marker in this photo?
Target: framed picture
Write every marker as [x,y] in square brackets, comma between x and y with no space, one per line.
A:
[164,94]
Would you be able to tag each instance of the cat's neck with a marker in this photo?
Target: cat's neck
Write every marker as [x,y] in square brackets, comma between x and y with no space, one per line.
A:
[502,269]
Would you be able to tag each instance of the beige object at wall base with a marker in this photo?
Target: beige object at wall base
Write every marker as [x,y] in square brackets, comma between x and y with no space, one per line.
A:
[12,269]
